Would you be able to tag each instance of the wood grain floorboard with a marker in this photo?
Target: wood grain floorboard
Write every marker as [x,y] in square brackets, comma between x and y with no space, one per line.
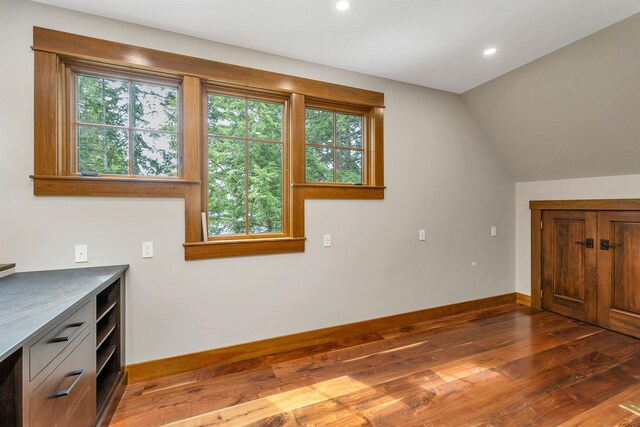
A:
[505,366]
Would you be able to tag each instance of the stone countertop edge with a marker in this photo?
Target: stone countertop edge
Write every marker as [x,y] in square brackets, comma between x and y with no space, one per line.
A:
[31,301]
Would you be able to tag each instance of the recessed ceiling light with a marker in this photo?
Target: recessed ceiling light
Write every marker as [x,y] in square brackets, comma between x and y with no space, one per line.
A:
[342,5]
[490,51]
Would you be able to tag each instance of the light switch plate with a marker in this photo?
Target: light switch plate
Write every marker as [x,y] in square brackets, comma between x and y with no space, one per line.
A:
[327,240]
[422,234]
[494,231]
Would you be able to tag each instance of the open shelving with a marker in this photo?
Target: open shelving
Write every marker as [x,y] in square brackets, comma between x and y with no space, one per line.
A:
[109,344]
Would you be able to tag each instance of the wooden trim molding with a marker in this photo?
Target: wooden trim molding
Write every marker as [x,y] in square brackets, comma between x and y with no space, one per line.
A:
[4,267]
[88,48]
[586,205]
[339,191]
[272,346]
[234,248]
[523,299]
[109,187]
[536,258]
[45,114]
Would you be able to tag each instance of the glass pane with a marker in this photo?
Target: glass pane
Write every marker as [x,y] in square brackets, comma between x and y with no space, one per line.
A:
[155,154]
[265,188]
[103,101]
[226,116]
[265,120]
[227,171]
[155,107]
[319,164]
[349,166]
[349,129]
[319,127]
[103,151]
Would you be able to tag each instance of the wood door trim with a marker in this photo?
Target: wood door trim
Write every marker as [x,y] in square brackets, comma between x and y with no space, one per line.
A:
[536,258]
[178,364]
[586,205]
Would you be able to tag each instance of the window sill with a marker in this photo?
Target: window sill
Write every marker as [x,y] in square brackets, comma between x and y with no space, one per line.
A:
[340,191]
[234,248]
[109,186]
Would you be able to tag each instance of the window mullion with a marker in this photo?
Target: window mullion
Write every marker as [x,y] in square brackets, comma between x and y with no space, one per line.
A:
[130,130]
[246,163]
[335,144]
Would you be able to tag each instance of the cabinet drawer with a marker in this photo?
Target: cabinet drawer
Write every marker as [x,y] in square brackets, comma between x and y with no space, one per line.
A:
[48,347]
[84,414]
[65,386]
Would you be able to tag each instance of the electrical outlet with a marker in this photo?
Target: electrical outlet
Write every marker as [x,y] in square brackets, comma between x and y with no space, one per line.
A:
[147,249]
[422,234]
[81,253]
[327,240]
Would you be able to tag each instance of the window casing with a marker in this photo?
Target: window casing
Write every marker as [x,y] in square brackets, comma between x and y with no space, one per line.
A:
[61,57]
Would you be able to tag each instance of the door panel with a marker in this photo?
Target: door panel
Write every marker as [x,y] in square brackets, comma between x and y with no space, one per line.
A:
[568,265]
[568,271]
[619,271]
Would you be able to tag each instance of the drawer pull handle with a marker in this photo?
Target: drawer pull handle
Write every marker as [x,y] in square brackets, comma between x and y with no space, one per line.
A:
[78,374]
[62,339]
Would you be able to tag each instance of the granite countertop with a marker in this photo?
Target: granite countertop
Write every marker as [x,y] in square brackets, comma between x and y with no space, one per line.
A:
[29,301]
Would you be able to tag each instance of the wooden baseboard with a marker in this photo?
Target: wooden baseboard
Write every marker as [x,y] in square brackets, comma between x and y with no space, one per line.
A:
[271,346]
[523,299]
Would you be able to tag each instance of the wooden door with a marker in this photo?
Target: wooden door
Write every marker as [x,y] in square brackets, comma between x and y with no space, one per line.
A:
[619,271]
[569,262]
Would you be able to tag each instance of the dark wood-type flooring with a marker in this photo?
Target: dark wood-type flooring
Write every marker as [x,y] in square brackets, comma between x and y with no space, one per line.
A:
[508,366]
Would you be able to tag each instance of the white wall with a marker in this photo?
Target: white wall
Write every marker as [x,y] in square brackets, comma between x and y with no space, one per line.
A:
[607,187]
[441,171]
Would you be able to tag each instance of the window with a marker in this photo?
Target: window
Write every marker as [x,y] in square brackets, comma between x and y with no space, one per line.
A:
[124,127]
[334,146]
[243,147]
[245,150]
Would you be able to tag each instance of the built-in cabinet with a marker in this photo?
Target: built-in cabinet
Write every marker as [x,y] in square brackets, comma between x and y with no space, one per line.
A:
[586,261]
[68,370]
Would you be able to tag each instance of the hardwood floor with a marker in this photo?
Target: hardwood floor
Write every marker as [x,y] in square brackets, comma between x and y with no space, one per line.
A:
[507,366]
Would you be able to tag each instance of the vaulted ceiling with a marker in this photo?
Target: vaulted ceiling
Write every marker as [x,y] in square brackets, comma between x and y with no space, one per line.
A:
[573,113]
[435,43]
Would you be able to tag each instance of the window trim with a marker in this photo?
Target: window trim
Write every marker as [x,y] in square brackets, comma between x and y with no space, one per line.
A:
[52,49]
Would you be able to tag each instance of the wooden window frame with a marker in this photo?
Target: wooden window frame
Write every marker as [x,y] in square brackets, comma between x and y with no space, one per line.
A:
[52,176]
[336,109]
[284,99]
[69,160]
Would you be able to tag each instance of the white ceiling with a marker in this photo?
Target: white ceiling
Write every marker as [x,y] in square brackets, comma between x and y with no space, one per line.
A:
[435,43]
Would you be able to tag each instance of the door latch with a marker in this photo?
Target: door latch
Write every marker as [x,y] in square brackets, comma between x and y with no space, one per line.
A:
[604,245]
[588,243]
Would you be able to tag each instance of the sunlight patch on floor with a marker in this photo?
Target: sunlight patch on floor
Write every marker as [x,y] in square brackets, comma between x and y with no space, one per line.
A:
[259,409]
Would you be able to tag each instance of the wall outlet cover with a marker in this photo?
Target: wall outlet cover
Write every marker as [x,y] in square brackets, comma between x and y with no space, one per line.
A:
[82,253]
